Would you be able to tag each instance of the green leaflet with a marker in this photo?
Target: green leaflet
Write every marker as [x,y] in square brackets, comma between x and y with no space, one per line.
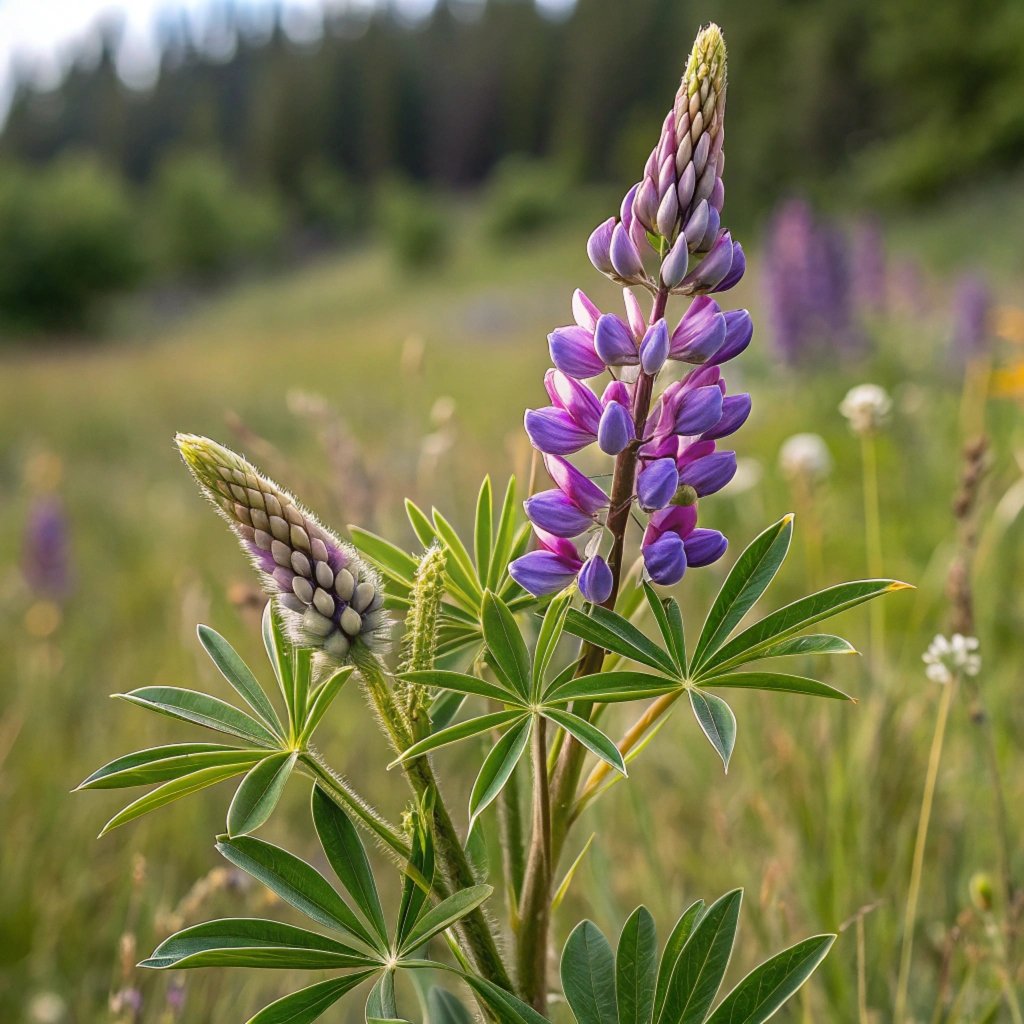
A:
[497,767]
[717,722]
[636,965]
[257,795]
[158,764]
[307,1004]
[588,975]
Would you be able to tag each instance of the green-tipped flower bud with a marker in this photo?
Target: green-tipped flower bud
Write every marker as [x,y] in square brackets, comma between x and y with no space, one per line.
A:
[332,599]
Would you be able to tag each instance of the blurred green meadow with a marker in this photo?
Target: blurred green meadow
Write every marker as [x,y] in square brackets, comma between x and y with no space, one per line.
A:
[355,383]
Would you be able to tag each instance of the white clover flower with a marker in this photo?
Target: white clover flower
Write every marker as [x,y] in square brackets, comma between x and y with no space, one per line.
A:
[805,456]
[866,408]
[946,658]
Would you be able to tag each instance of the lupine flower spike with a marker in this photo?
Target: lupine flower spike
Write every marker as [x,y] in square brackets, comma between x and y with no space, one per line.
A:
[674,216]
[332,599]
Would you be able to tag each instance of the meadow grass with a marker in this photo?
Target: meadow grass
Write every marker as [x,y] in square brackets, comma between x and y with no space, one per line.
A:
[816,816]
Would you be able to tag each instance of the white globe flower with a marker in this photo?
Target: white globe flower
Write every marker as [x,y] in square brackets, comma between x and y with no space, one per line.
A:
[946,658]
[805,456]
[866,408]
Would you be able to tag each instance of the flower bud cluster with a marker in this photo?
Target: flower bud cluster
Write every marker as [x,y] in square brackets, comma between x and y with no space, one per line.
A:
[332,598]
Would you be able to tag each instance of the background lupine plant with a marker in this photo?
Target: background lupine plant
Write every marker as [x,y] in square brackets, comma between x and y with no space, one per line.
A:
[524,647]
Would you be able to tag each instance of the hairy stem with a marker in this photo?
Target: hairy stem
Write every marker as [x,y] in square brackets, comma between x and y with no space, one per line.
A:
[917,868]
[535,904]
[533,947]
[474,929]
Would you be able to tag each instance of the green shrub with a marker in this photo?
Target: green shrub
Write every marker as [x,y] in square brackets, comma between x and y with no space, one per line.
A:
[414,224]
[331,202]
[525,196]
[70,240]
[205,223]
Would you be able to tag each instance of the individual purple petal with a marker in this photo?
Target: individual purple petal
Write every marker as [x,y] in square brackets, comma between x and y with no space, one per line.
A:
[739,331]
[736,271]
[710,473]
[625,256]
[575,398]
[565,549]
[584,312]
[714,223]
[700,333]
[645,203]
[665,560]
[675,264]
[697,225]
[713,268]
[704,547]
[543,572]
[654,348]
[556,513]
[578,487]
[555,432]
[656,483]
[634,314]
[613,341]
[677,519]
[595,580]
[572,351]
[735,410]
[699,410]
[616,430]
[617,391]
[599,246]
[668,210]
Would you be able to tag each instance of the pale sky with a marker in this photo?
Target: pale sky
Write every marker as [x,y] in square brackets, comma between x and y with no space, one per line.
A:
[46,33]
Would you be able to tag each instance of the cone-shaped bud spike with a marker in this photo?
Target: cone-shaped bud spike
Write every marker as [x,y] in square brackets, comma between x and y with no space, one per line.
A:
[331,598]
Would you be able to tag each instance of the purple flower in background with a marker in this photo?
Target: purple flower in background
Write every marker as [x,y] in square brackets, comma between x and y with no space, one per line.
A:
[972,314]
[46,549]
[808,286]
[868,278]
[664,445]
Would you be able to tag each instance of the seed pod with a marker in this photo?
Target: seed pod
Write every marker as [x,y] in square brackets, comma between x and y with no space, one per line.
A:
[331,598]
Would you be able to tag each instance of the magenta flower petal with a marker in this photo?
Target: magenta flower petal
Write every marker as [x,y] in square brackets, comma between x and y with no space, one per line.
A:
[574,398]
[558,514]
[555,432]
[572,351]
[578,487]
[613,342]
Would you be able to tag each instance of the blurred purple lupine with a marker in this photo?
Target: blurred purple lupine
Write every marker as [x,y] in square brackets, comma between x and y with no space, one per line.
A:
[808,286]
[972,313]
[868,277]
[46,550]
[667,239]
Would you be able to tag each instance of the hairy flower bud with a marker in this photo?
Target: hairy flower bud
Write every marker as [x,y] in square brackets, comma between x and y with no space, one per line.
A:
[332,598]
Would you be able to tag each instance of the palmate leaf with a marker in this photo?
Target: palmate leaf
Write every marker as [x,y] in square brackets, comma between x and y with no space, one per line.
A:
[296,882]
[308,1004]
[253,942]
[158,764]
[636,965]
[348,859]
[784,623]
[747,581]
[767,987]
[257,796]
[588,975]
[717,722]
[498,767]
[702,964]
[241,677]
[202,709]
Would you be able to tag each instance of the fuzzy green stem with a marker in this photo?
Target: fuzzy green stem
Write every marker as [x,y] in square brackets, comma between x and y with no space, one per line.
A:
[474,929]
[917,867]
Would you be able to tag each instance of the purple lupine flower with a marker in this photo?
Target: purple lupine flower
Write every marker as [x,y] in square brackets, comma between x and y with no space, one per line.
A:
[972,313]
[46,549]
[868,277]
[664,445]
[331,598]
